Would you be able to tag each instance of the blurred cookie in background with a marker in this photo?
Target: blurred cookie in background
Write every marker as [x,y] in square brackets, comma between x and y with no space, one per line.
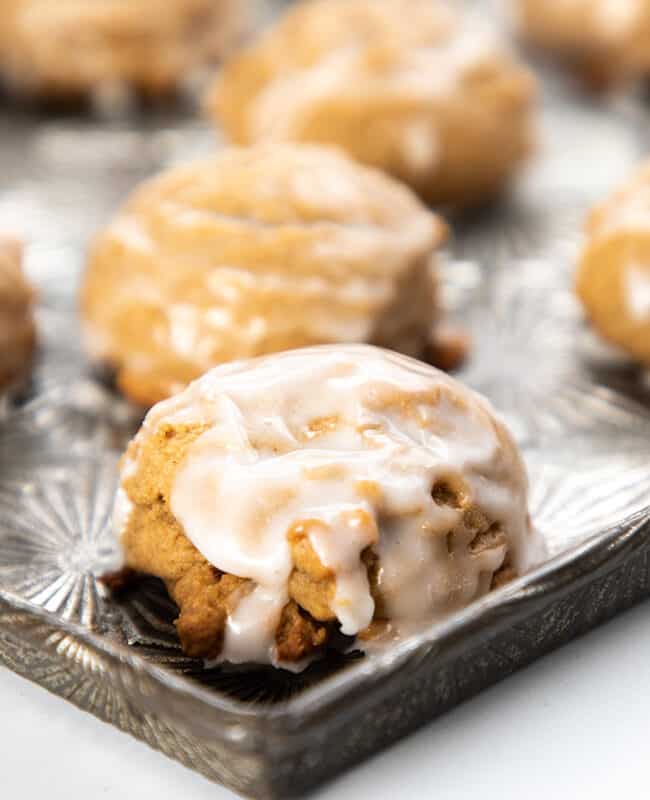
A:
[252,251]
[17,329]
[70,49]
[407,86]
[613,280]
[606,41]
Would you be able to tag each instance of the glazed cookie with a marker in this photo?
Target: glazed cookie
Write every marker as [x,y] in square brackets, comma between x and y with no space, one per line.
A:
[17,331]
[338,489]
[605,39]
[402,85]
[613,280]
[253,251]
[73,47]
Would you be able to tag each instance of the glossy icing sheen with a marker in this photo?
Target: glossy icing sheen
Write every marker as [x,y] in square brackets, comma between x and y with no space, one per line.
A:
[402,60]
[620,16]
[637,292]
[346,442]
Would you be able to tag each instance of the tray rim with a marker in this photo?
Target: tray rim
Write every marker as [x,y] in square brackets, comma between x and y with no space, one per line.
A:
[257,728]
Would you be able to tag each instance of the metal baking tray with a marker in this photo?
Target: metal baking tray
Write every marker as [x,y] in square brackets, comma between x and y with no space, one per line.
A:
[580,412]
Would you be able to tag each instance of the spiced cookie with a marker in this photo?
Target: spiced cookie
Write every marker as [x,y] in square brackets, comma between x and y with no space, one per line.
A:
[406,86]
[606,40]
[613,280]
[335,489]
[253,251]
[17,330]
[75,47]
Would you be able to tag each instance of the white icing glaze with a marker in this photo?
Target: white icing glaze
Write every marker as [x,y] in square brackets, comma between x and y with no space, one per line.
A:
[421,145]
[348,442]
[122,510]
[637,291]
[250,629]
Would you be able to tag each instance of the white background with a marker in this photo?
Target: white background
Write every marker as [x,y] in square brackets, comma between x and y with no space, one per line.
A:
[574,725]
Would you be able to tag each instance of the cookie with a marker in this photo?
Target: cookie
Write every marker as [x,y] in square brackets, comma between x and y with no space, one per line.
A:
[320,492]
[254,251]
[17,329]
[605,40]
[613,278]
[71,48]
[406,86]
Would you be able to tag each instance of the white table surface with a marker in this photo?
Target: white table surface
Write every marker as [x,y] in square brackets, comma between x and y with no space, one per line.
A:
[574,725]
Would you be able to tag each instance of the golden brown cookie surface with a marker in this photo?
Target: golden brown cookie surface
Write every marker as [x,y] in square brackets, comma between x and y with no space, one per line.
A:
[254,251]
[72,47]
[17,331]
[320,490]
[402,85]
[613,280]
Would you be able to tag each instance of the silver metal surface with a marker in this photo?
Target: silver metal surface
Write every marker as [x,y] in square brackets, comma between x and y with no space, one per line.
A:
[581,414]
